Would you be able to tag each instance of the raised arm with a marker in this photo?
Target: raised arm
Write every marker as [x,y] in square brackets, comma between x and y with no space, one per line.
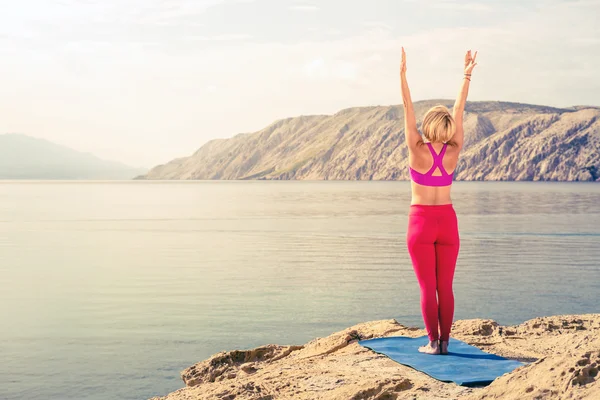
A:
[411,133]
[459,106]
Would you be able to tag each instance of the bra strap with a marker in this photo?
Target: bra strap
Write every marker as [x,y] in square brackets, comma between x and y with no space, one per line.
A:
[437,160]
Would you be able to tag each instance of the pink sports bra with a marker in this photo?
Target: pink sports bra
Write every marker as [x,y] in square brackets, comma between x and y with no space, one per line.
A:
[428,179]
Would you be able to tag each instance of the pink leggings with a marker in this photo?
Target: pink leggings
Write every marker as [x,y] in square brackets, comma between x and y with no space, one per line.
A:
[433,244]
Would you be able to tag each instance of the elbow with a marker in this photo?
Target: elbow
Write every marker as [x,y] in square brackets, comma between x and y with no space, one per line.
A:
[458,111]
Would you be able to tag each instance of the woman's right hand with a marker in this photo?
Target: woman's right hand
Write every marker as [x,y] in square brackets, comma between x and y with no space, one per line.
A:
[403,63]
[470,62]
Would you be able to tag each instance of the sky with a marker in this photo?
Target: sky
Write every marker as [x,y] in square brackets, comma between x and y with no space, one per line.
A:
[145,81]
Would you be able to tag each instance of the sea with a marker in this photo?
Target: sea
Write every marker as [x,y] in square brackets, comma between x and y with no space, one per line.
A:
[108,290]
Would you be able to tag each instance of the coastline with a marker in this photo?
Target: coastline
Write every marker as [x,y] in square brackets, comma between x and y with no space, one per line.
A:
[563,352]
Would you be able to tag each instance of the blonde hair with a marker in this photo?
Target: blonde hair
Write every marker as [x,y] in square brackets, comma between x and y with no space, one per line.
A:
[438,125]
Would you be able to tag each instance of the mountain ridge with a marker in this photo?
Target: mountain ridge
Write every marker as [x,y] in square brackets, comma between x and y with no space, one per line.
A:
[27,157]
[503,141]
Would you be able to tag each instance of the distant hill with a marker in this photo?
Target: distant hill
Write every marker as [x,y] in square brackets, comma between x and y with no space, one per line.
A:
[504,141]
[26,157]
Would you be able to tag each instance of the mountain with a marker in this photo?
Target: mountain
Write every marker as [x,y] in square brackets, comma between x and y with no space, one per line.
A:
[503,141]
[26,157]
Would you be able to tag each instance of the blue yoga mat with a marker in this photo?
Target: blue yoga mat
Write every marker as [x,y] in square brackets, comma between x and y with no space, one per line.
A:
[464,364]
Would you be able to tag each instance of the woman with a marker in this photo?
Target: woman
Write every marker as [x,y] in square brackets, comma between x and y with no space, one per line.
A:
[432,236]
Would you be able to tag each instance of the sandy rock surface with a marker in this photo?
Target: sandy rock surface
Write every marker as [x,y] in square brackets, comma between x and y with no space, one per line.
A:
[562,352]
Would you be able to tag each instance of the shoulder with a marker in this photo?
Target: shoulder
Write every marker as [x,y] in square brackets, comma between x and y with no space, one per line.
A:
[417,146]
[453,148]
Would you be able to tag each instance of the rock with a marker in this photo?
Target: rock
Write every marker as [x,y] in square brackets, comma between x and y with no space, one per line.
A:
[563,355]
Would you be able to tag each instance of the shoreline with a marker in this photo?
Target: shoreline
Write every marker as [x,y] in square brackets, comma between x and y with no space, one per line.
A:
[191,181]
[563,352]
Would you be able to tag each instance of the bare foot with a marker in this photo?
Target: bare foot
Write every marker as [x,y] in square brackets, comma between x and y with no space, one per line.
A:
[443,347]
[431,348]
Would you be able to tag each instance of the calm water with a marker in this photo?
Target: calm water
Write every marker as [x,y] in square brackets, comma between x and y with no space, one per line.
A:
[109,290]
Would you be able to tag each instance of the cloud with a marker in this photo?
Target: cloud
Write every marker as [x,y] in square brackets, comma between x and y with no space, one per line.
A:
[328,31]
[315,67]
[377,24]
[584,41]
[221,38]
[232,36]
[304,7]
[374,58]
[457,5]
[321,69]
[524,58]
[346,70]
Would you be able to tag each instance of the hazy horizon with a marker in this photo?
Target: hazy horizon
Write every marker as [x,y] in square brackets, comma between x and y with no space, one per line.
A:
[145,82]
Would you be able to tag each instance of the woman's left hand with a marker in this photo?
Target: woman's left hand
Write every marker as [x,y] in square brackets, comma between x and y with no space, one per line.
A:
[470,62]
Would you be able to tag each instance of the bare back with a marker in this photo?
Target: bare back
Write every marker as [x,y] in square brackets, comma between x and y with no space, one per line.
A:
[421,160]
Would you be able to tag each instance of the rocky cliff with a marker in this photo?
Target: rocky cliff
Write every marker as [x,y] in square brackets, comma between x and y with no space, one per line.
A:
[504,141]
[562,356]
